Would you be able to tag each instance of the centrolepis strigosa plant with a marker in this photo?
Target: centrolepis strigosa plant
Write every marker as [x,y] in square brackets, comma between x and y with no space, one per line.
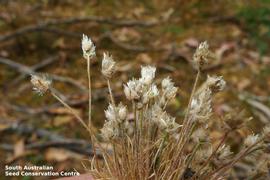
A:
[145,142]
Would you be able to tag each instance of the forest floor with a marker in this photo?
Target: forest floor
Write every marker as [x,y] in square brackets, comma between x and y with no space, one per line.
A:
[45,36]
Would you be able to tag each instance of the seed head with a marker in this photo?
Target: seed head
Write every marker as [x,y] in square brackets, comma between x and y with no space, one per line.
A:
[167,83]
[224,152]
[150,94]
[110,114]
[41,83]
[88,47]
[201,105]
[133,89]
[163,120]
[109,131]
[266,131]
[122,112]
[251,140]
[199,135]
[202,55]
[215,83]
[168,88]
[108,65]
[148,74]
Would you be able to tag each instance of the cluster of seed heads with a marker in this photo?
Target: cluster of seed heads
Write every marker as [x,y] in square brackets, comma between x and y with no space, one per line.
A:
[145,122]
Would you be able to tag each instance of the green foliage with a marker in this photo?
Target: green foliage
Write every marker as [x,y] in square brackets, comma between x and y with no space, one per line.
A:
[257,22]
[174,29]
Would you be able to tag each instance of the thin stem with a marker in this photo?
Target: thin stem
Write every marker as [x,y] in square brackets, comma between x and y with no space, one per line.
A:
[191,96]
[110,92]
[72,111]
[182,137]
[89,91]
[88,128]
[216,173]
[212,155]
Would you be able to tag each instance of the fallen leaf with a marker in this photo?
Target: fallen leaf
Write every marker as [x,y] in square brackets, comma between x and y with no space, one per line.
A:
[62,120]
[191,42]
[3,127]
[62,110]
[19,148]
[144,58]
[56,154]
[127,34]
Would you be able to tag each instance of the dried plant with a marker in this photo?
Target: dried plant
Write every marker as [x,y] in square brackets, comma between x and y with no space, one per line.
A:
[151,144]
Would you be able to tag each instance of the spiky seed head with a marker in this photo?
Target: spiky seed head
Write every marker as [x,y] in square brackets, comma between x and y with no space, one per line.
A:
[168,88]
[167,83]
[122,112]
[88,47]
[251,140]
[199,135]
[132,89]
[200,108]
[109,131]
[147,74]
[202,55]
[171,93]
[150,94]
[110,114]
[108,65]
[266,131]
[41,83]
[224,152]
[215,83]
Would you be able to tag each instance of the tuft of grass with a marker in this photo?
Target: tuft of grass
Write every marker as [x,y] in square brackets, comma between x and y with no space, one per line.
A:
[141,140]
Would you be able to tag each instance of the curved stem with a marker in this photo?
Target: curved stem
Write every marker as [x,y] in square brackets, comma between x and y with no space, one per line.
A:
[72,111]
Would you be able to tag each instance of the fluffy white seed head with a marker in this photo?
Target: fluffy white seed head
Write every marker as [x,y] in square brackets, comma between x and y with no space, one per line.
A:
[167,83]
[108,65]
[147,74]
[201,55]
[150,94]
[122,112]
[117,114]
[110,114]
[88,47]
[168,88]
[201,105]
[251,139]
[199,135]
[266,130]
[109,131]
[163,120]
[133,89]
[215,83]
[171,93]
[224,152]
[41,83]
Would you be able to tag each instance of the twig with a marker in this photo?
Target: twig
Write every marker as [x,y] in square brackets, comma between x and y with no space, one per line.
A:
[27,71]
[36,67]
[54,140]
[75,20]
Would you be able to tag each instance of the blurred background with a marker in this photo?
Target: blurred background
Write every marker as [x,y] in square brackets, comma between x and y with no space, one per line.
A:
[45,36]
